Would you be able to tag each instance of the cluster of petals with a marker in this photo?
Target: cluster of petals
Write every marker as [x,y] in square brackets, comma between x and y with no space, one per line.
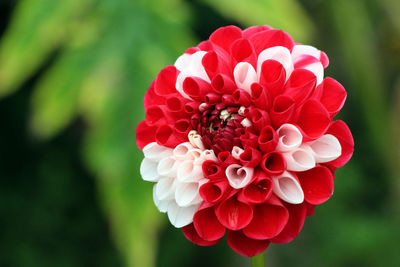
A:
[240,139]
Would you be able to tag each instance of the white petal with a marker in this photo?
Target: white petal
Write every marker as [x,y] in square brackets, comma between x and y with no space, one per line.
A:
[156,152]
[238,176]
[289,138]
[317,69]
[162,205]
[278,53]
[189,172]
[245,75]
[165,189]
[209,155]
[187,194]
[148,170]
[299,159]
[326,148]
[195,141]
[181,151]
[181,216]
[288,188]
[236,151]
[168,166]
[190,66]
[300,50]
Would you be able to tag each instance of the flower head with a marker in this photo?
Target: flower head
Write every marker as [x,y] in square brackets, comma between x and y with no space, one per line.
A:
[240,139]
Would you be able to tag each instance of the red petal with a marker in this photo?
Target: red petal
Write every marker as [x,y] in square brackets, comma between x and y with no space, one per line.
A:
[259,118]
[268,139]
[183,127]
[300,85]
[332,95]
[151,98]
[273,77]
[215,191]
[324,59]
[246,246]
[241,97]
[145,134]
[205,46]
[242,51]
[166,136]
[268,221]
[250,157]
[190,233]
[166,80]
[196,88]
[341,131]
[273,163]
[191,108]
[317,184]
[313,119]
[225,158]
[247,33]
[269,38]
[297,216]
[260,97]
[259,190]
[223,84]
[213,170]
[248,139]
[225,36]
[207,225]
[282,110]
[233,214]
[310,208]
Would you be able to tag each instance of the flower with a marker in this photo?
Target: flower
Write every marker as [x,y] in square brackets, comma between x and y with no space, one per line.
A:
[240,139]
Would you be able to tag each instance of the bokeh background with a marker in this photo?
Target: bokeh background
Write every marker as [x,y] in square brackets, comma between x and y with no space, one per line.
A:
[73,74]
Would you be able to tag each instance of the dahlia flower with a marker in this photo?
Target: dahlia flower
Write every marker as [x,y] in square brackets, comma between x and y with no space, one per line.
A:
[239,138]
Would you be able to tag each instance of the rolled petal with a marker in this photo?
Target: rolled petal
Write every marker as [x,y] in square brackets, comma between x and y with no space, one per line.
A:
[282,110]
[242,51]
[225,36]
[165,81]
[187,194]
[259,118]
[148,170]
[191,234]
[326,148]
[273,163]
[287,188]
[258,191]
[267,139]
[234,214]
[225,159]
[250,157]
[165,189]
[181,151]
[317,184]
[209,154]
[245,75]
[223,84]
[249,139]
[289,138]
[168,137]
[182,127]
[272,77]
[214,191]
[162,205]
[213,170]
[181,216]
[271,38]
[168,166]
[240,97]
[297,216]
[313,119]
[207,225]
[245,246]
[299,159]
[340,130]
[145,134]
[189,172]
[212,98]
[268,221]
[236,151]
[239,176]
[260,96]
[196,88]
[278,53]
[191,108]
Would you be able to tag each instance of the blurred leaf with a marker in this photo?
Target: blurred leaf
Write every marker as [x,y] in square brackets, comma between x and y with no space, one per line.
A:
[287,15]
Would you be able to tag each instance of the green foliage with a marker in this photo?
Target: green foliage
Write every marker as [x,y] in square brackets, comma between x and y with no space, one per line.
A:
[94,59]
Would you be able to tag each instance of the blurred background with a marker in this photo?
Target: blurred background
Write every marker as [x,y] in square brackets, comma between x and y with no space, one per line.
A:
[72,78]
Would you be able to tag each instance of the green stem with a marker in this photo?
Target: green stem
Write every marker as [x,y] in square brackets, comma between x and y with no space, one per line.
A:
[258,261]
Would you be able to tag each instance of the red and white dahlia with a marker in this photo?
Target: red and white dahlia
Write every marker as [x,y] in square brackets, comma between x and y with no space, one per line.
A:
[239,138]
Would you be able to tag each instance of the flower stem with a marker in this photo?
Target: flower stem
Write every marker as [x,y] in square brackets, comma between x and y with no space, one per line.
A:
[258,261]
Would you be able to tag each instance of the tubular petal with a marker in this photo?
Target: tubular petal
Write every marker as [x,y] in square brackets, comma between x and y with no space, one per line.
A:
[278,53]
[272,77]
[289,138]
[181,151]
[145,134]
[299,159]
[332,95]
[273,163]
[168,166]
[215,191]
[250,157]
[300,85]
[341,131]
[156,152]
[326,148]
[189,172]
[165,81]
[282,110]
[181,216]
[245,76]
[239,176]
[267,139]
[271,38]
[213,170]
[162,205]
[148,170]
[187,194]
[207,225]
[225,36]
[313,119]
[258,191]
[287,188]
[165,189]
